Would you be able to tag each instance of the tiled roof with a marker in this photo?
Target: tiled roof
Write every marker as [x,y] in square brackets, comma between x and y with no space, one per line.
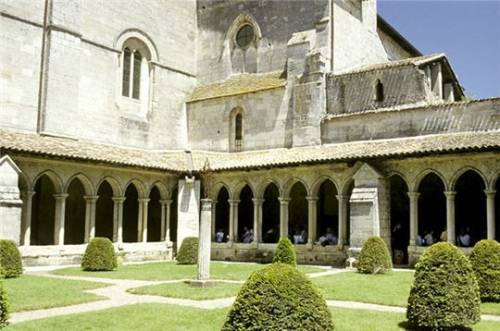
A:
[11,141]
[239,84]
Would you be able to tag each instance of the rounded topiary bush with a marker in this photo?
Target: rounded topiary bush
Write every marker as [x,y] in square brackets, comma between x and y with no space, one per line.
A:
[485,260]
[285,252]
[99,255]
[188,252]
[374,257]
[278,297]
[10,259]
[445,293]
[4,307]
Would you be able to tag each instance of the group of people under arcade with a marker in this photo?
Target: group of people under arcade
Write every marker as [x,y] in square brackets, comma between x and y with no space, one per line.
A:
[463,239]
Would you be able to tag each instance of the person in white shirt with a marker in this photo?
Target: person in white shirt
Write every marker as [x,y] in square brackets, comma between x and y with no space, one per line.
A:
[219,236]
[463,238]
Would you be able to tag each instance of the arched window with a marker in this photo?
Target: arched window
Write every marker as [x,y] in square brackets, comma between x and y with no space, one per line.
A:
[379,91]
[238,132]
[135,69]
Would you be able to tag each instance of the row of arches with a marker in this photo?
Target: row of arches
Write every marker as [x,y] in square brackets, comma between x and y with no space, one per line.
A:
[72,217]
[468,199]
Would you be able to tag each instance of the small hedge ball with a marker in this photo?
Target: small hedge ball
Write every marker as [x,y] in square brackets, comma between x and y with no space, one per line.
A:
[485,260]
[374,257]
[99,255]
[445,293]
[278,297]
[4,307]
[285,252]
[10,259]
[188,252]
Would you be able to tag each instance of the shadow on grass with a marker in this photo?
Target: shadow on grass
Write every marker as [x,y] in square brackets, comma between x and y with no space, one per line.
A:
[407,326]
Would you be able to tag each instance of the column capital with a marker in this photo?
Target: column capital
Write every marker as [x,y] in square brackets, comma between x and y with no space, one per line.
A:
[450,194]
[233,201]
[91,197]
[258,200]
[143,200]
[413,194]
[341,197]
[490,193]
[61,196]
[166,202]
[118,199]
[312,198]
[284,201]
[28,193]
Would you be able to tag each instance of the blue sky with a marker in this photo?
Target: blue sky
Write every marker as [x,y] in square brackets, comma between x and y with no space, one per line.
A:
[468,31]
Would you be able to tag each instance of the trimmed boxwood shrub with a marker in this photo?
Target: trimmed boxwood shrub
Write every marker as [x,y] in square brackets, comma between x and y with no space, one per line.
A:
[10,259]
[188,252]
[285,252]
[99,255]
[4,307]
[445,293]
[374,257]
[278,297]
[485,260]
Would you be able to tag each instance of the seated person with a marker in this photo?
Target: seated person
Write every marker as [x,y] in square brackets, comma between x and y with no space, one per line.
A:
[247,236]
[463,238]
[329,238]
[219,236]
[429,238]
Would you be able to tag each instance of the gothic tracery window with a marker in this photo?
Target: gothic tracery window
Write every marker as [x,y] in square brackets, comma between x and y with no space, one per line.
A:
[135,69]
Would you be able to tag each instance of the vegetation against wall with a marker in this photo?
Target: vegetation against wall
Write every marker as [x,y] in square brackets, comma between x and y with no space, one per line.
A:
[485,260]
[188,252]
[285,252]
[99,255]
[10,259]
[374,257]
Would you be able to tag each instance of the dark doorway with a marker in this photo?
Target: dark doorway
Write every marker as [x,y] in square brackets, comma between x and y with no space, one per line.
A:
[104,211]
[221,216]
[271,215]
[131,214]
[154,215]
[245,212]
[431,210]
[298,215]
[43,212]
[400,220]
[74,219]
[328,210]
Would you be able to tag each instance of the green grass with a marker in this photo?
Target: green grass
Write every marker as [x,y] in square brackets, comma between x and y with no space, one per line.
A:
[172,271]
[31,292]
[388,289]
[167,317]
[185,291]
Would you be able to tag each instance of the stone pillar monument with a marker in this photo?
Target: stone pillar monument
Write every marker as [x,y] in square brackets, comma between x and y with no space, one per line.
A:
[204,244]
[10,202]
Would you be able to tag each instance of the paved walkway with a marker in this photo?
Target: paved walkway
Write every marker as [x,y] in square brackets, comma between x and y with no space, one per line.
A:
[116,296]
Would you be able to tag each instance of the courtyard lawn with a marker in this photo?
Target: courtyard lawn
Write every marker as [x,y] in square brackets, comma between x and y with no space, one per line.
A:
[32,292]
[391,289]
[185,291]
[171,270]
[168,317]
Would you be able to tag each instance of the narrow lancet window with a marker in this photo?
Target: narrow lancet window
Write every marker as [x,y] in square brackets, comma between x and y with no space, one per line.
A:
[238,134]
[379,91]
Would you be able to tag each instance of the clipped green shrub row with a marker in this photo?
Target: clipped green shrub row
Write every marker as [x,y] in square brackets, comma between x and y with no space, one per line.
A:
[445,292]
[485,260]
[278,297]
[188,252]
[10,259]
[374,257]
[285,252]
[4,307]
[99,255]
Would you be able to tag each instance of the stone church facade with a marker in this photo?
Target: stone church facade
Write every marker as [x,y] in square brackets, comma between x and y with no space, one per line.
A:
[315,117]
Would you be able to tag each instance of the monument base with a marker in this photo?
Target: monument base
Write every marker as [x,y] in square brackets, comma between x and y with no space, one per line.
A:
[201,283]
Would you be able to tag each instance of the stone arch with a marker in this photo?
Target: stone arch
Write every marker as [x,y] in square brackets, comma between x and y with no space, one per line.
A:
[290,183]
[261,188]
[216,190]
[84,180]
[104,221]
[139,186]
[423,174]
[240,185]
[142,36]
[162,189]
[327,217]
[153,226]
[399,218]
[298,213]
[240,21]
[246,231]
[470,207]
[131,213]
[75,211]
[271,213]
[431,206]
[56,180]
[115,185]
[43,209]
[461,171]
[320,181]
[222,218]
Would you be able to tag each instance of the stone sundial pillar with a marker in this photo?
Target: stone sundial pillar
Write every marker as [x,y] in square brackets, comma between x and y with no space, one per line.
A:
[204,240]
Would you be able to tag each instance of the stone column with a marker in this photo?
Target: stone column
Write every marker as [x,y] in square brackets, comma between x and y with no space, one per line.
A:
[257,219]
[284,216]
[90,206]
[413,216]
[233,220]
[204,246]
[214,211]
[165,219]
[59,218]
[342,235]
[450,215]
[28,197]
[312,215]
[142,234]
[118,219]
[490,213]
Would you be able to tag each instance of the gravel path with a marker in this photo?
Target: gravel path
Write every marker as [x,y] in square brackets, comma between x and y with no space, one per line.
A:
[118,296]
